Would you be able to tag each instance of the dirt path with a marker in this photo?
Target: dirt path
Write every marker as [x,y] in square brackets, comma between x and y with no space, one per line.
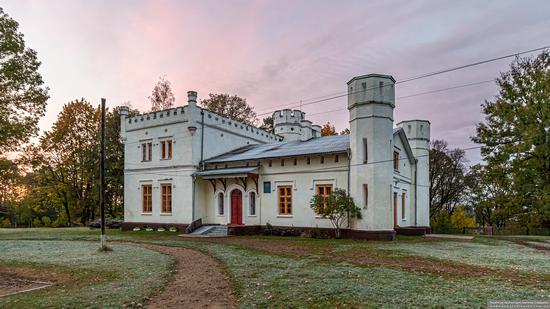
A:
[198,281]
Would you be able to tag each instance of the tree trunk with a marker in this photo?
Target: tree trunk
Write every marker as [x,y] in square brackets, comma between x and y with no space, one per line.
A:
[337,232]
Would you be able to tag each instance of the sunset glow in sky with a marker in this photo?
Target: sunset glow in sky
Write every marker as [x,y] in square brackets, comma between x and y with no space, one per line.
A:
[279,52]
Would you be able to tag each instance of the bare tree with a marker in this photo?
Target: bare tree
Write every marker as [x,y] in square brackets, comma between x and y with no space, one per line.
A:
[447,170]
[162,96]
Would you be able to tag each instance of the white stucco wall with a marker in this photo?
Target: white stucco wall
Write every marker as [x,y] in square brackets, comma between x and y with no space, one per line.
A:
[302,177]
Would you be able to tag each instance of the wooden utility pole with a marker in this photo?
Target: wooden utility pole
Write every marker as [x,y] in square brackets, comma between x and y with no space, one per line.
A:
[102,177]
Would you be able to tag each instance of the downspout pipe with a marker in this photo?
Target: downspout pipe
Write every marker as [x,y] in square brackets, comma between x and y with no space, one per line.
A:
[415,191]
[349,170]
[202,139]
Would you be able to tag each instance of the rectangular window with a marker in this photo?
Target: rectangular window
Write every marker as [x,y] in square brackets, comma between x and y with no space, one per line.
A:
[267,186]
[270,163]
[325,191]
[285,200]
[336,158]
[295,161]
[282,162]
[403,206]
[166,150]
[308,160]
[322,160]
[166,201]
[146,198]
[396,160]
[146,151]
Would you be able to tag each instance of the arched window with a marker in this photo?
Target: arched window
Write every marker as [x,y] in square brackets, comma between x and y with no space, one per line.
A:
[220,204]
[252,203]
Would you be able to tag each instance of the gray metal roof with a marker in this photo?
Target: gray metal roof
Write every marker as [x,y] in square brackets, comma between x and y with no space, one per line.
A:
[227,171]
[320,145]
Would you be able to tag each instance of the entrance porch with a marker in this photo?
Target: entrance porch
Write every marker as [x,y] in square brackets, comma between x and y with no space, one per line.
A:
[227,196]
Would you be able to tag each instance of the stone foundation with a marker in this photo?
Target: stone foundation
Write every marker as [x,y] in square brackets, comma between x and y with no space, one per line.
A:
[128,226]
[413,230]
[239,230]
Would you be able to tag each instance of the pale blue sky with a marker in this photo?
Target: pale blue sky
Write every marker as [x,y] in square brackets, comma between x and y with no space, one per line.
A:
[276,52]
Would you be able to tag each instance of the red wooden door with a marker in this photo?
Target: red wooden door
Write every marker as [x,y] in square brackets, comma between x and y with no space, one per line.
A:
[236,207]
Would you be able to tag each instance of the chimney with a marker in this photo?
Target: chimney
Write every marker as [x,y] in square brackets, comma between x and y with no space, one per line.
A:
[192,98]
[123,111]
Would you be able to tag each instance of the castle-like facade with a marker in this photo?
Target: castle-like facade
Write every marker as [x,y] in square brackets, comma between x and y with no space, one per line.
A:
[188,163]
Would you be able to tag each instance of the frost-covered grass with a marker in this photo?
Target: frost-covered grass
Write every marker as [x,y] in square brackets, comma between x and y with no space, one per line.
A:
[277,281]
[483,252]
[273,280]
[94,279]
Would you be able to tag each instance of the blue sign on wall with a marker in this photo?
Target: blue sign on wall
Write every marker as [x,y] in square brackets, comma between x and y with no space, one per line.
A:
[267,186]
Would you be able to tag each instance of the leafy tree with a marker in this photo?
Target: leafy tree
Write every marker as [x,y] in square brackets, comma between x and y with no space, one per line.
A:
[66,160]
[9,177]
[516,140]
[162,96]
[22,94]
[328,129]
[267,124]
[337,207]
[461,219]
[233,107]
[447,169]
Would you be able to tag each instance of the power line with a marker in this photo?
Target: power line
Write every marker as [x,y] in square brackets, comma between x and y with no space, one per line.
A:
[418,94]
[425,75]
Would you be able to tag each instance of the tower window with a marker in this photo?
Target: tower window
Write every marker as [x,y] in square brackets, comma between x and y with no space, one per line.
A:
[380,86]
[322,160]
[403,206]
[336,158]
[295,161]
[308,160]
[366,189]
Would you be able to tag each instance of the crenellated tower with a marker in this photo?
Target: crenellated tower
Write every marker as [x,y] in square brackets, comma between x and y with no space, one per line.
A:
[292,125]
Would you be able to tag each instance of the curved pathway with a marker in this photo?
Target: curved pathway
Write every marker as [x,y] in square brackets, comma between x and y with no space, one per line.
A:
[198,281]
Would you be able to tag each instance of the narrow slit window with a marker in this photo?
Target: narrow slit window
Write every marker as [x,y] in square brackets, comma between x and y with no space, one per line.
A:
[252,203]
[403,206]
[220,204]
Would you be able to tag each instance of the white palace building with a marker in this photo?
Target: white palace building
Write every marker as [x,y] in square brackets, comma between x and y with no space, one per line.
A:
[188,164]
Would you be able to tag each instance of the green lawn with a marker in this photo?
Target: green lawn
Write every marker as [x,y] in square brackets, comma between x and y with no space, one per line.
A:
[297,272]
[95,279]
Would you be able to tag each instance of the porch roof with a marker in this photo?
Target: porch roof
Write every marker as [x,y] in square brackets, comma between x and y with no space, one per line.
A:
[227,172]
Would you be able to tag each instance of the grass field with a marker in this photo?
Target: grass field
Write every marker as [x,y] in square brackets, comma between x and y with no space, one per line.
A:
[286,272]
